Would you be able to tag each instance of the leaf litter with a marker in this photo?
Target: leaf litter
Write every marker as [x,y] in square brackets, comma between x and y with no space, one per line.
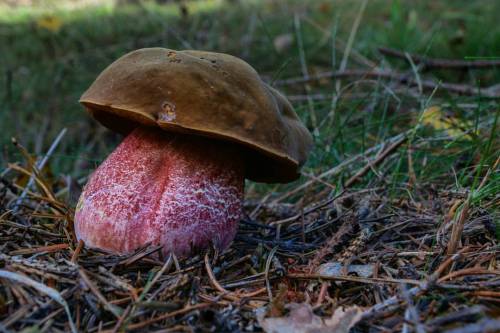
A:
[358,260]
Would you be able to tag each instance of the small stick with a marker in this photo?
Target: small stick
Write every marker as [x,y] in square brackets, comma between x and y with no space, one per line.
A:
[184,310]
[268,266]
[115,310]
[233,296]
[39,166]
[429,84]
[458,224]
[78,249]
[310,210]
[349,278]
[164,268]
[143,252]
[468,271]
[375,162]
[49,248]
[322,293]
[424,286]
[440,62]
[484,326]
[122,319]
[212,278]
[447,263]
[460,315]
[486,293]
[338,168]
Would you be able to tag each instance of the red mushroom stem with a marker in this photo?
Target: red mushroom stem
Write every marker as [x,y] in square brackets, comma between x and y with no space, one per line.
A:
[179,191]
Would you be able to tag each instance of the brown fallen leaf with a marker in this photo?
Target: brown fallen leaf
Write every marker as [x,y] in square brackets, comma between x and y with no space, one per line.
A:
[301,319]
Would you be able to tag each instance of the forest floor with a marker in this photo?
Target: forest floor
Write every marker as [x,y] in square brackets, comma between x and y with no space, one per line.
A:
[394,225]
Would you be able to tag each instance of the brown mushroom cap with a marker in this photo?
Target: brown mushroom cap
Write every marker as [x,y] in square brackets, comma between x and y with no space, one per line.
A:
[203,93]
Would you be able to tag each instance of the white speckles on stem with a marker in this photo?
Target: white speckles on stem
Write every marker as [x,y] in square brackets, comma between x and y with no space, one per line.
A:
[177,191]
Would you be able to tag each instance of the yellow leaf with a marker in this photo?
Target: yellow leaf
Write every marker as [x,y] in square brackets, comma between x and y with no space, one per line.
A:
[50,23]
[436,118]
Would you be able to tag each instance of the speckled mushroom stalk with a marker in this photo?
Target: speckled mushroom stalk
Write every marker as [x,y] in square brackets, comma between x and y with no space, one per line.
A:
[178,191]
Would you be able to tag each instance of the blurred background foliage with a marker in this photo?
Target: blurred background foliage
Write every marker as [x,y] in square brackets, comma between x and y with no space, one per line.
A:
[52,50]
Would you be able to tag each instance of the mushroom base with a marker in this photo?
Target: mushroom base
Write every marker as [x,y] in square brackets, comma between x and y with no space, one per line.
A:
[182,192]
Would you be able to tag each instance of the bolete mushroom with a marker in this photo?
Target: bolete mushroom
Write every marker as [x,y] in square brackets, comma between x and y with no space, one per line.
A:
[197,124]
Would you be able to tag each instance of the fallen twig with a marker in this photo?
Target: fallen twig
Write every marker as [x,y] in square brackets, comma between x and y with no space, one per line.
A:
[115,310]
[484,326]
[429,84]
[49,248]
[348,278]
[39,166]
[439,62]
[378,159]
[339,168]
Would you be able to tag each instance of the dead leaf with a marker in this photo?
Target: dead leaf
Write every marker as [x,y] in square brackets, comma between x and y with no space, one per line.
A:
[301,319]
[50,23]
[435,117]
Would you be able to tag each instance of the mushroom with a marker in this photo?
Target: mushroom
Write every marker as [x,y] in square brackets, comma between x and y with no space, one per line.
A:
[197,124]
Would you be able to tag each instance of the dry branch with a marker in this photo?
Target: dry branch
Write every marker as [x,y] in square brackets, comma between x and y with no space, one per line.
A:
[429,84]
[429,63]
